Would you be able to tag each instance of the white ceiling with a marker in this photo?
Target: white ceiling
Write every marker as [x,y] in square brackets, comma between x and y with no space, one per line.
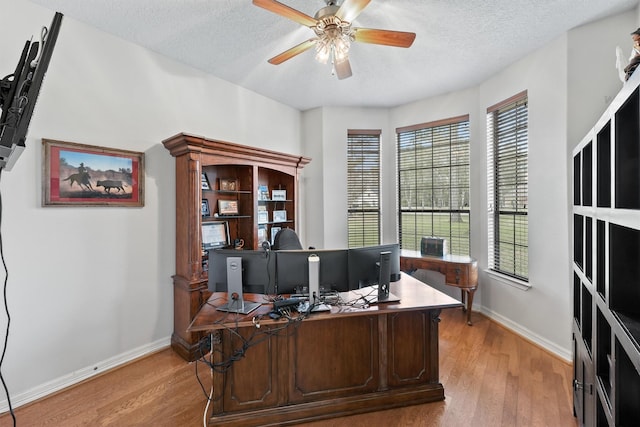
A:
[459,43]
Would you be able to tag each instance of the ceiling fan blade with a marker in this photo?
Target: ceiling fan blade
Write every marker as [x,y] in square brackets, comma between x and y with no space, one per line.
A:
[343,69]
[385,37]
[286,11]
[290,53]
[350,9]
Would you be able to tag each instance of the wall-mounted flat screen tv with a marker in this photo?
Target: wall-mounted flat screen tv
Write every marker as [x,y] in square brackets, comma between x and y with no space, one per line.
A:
[19,92]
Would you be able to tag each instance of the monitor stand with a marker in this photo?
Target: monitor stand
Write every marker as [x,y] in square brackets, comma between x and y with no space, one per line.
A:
[235,302]
[314,279]
[313,300]
[384,276]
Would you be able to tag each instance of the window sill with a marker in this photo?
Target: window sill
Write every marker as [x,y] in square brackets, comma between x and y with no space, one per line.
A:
[513,282]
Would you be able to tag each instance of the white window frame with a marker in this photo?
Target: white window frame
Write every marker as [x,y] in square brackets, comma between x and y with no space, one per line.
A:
[363,187]
[507,188]
[434,186]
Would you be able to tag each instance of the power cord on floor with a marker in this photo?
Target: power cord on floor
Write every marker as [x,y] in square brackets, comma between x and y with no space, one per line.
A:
[6,309]
[205,420]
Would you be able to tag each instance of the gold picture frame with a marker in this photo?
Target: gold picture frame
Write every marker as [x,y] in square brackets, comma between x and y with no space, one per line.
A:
[227,207]
[227,184]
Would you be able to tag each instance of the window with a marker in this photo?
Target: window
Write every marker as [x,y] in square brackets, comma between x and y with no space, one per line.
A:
[363,178]
[433,183]
[507,154]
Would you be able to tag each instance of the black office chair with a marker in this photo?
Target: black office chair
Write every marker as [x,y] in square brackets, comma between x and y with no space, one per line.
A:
[286,239]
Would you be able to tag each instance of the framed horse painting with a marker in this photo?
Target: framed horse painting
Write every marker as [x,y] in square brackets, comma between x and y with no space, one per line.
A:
[85,175]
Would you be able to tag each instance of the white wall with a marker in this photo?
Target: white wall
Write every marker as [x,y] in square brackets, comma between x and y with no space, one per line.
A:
[558,108]
[91,287]
[542,312]
[312,225]
[592,58]
[327,214]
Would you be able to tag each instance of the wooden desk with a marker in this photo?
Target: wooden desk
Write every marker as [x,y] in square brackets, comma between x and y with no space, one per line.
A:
[459,271]
[338,363]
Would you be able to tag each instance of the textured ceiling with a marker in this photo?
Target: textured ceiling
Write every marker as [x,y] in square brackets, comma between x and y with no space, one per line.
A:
[459,43]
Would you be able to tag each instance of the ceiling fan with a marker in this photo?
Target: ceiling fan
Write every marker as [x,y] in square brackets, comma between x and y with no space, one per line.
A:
[334,33]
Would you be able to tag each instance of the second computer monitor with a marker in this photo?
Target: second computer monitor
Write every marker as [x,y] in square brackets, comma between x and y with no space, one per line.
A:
[364,264]
[258,270]
[292,269]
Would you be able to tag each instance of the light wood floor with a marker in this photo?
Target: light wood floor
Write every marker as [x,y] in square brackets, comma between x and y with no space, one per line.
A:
[491,377]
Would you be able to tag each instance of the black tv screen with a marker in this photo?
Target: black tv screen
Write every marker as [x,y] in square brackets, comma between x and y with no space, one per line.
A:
[19,92]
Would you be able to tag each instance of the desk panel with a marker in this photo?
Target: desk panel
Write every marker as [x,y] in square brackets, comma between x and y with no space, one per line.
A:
[333,358]
[252,381]
[410,338]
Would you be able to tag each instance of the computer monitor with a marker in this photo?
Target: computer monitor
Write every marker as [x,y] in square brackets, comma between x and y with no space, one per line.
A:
[292,268]
[215,234]
[258,270]
[364,264]
[235,294]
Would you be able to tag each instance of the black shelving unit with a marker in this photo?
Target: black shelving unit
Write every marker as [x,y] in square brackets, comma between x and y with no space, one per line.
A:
[606,266]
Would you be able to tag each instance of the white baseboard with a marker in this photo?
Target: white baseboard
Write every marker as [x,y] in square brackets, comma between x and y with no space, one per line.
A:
[77,376]
[563,353]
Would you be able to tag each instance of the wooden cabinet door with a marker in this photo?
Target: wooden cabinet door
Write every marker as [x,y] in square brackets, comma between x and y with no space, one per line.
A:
[334,358]
[252,379]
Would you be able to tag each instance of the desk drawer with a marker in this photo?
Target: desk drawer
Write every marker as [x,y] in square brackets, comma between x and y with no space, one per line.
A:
[433,264]
[460,274]
[457,275]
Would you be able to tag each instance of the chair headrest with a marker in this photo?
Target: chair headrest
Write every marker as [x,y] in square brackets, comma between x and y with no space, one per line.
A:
[286,239]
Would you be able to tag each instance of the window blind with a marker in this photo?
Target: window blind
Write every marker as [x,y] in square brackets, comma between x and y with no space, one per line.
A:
[507,167]
[363,187]
[433,183]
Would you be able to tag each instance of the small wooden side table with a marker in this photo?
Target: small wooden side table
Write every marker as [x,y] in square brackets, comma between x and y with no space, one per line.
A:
[458,270]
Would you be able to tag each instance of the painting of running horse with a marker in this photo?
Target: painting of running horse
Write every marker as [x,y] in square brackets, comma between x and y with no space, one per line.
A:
[79,174]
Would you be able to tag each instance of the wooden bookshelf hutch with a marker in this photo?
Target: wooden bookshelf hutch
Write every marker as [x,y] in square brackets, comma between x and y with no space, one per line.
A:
[606,265]
[243,171]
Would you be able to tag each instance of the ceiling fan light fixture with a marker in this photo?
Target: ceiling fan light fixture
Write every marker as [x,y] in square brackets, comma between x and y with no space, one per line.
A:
[334,34]
[334,49]
[334,39]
